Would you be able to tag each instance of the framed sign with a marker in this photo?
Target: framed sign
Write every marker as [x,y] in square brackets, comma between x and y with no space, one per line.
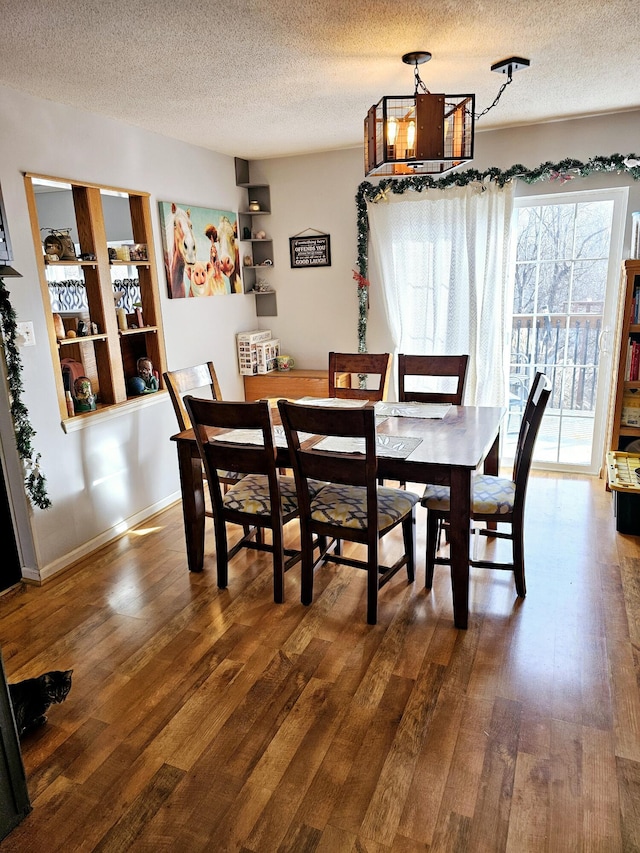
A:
[310,251]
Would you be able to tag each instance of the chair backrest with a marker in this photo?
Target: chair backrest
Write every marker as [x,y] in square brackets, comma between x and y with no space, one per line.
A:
[186,380]
[354,469]
[531,420]
[435,366]
[209,416]
[371,364]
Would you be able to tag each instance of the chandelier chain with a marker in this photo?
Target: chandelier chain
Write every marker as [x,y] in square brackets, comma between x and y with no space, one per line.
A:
[419,83]
[496,99]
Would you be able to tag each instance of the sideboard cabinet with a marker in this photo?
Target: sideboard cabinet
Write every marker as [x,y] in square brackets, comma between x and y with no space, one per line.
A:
[291,384]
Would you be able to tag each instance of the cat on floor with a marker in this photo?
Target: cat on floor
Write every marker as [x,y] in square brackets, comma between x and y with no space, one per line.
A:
[32,697]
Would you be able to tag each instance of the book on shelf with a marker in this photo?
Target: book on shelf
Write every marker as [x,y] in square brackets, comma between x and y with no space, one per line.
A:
[633,361]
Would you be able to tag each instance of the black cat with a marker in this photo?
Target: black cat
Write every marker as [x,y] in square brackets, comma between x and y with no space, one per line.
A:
[32,697]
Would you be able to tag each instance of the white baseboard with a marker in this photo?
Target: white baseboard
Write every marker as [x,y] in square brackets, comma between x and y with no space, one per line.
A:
[97,542]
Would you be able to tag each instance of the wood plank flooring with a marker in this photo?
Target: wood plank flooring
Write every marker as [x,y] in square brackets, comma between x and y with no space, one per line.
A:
[209,720]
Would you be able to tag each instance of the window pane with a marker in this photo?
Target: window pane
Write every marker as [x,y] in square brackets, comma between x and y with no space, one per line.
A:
[593,229]
[589,283]
[554,287]
[556,234]
[527,234]
[524,289]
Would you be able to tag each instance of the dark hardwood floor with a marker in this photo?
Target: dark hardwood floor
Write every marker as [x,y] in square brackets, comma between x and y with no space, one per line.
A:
[208,720]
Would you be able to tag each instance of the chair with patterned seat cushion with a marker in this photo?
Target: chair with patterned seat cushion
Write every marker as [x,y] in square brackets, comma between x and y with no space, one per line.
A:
[494,499]
[262,498]
[350,507]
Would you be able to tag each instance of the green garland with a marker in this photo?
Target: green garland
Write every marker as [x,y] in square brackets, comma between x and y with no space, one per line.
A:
[562,171]
[35,482]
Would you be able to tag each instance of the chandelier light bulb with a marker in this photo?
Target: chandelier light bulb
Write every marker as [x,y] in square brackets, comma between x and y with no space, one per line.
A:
[411,139]
[392,131]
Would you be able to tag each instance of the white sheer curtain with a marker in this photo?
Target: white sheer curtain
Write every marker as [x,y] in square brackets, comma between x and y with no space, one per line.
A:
[443,260]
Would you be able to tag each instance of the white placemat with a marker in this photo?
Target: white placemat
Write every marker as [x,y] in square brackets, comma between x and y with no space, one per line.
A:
[332,402]
[254,436]
[394,446]
[413,410]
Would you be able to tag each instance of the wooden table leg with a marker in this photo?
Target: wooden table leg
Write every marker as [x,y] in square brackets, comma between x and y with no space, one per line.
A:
[191,483]
[459,544]
[492,459]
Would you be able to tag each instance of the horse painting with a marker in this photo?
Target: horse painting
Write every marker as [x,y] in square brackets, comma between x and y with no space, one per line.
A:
[180,249]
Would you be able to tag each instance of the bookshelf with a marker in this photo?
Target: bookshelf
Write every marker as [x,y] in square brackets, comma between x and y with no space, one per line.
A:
[626,402]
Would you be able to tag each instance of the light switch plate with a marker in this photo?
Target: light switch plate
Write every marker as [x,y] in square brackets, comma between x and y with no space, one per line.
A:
[25,332]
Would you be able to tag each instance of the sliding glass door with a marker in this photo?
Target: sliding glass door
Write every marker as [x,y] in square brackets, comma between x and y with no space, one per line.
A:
[566,273]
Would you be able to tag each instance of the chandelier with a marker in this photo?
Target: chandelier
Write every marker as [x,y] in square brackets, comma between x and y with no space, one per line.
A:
[425,133]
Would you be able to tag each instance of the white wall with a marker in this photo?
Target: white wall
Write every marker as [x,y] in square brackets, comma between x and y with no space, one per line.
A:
[110,473]
[103,477]
[317,308]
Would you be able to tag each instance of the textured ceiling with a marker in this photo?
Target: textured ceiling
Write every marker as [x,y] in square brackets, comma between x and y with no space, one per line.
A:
[257,79]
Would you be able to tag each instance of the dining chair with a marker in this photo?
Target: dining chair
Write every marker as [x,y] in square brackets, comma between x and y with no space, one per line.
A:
[361,363]
[494,499]
[432,366]
[351,506]
[262,498]
[184,381]
[454,366]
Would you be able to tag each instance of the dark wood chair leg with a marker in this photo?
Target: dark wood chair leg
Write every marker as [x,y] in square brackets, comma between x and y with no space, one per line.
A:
[409,537]
[433,534]
[222,552]
[372,584]
[278,564]
[518,559]
[306,567]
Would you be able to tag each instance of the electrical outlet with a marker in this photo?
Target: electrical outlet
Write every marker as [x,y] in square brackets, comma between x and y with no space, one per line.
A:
[25,331]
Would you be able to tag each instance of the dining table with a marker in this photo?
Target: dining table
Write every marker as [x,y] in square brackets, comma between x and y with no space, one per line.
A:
[445,450]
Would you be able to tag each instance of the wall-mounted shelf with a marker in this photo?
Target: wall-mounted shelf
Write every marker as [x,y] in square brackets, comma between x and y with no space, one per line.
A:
[261,249]
[79,339]
[109,359]
[69,263]
[141,330]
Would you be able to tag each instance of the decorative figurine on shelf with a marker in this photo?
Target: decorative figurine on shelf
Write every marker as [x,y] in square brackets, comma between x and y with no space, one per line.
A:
[146,382]
[84,398]
[58,242]
[139,318]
